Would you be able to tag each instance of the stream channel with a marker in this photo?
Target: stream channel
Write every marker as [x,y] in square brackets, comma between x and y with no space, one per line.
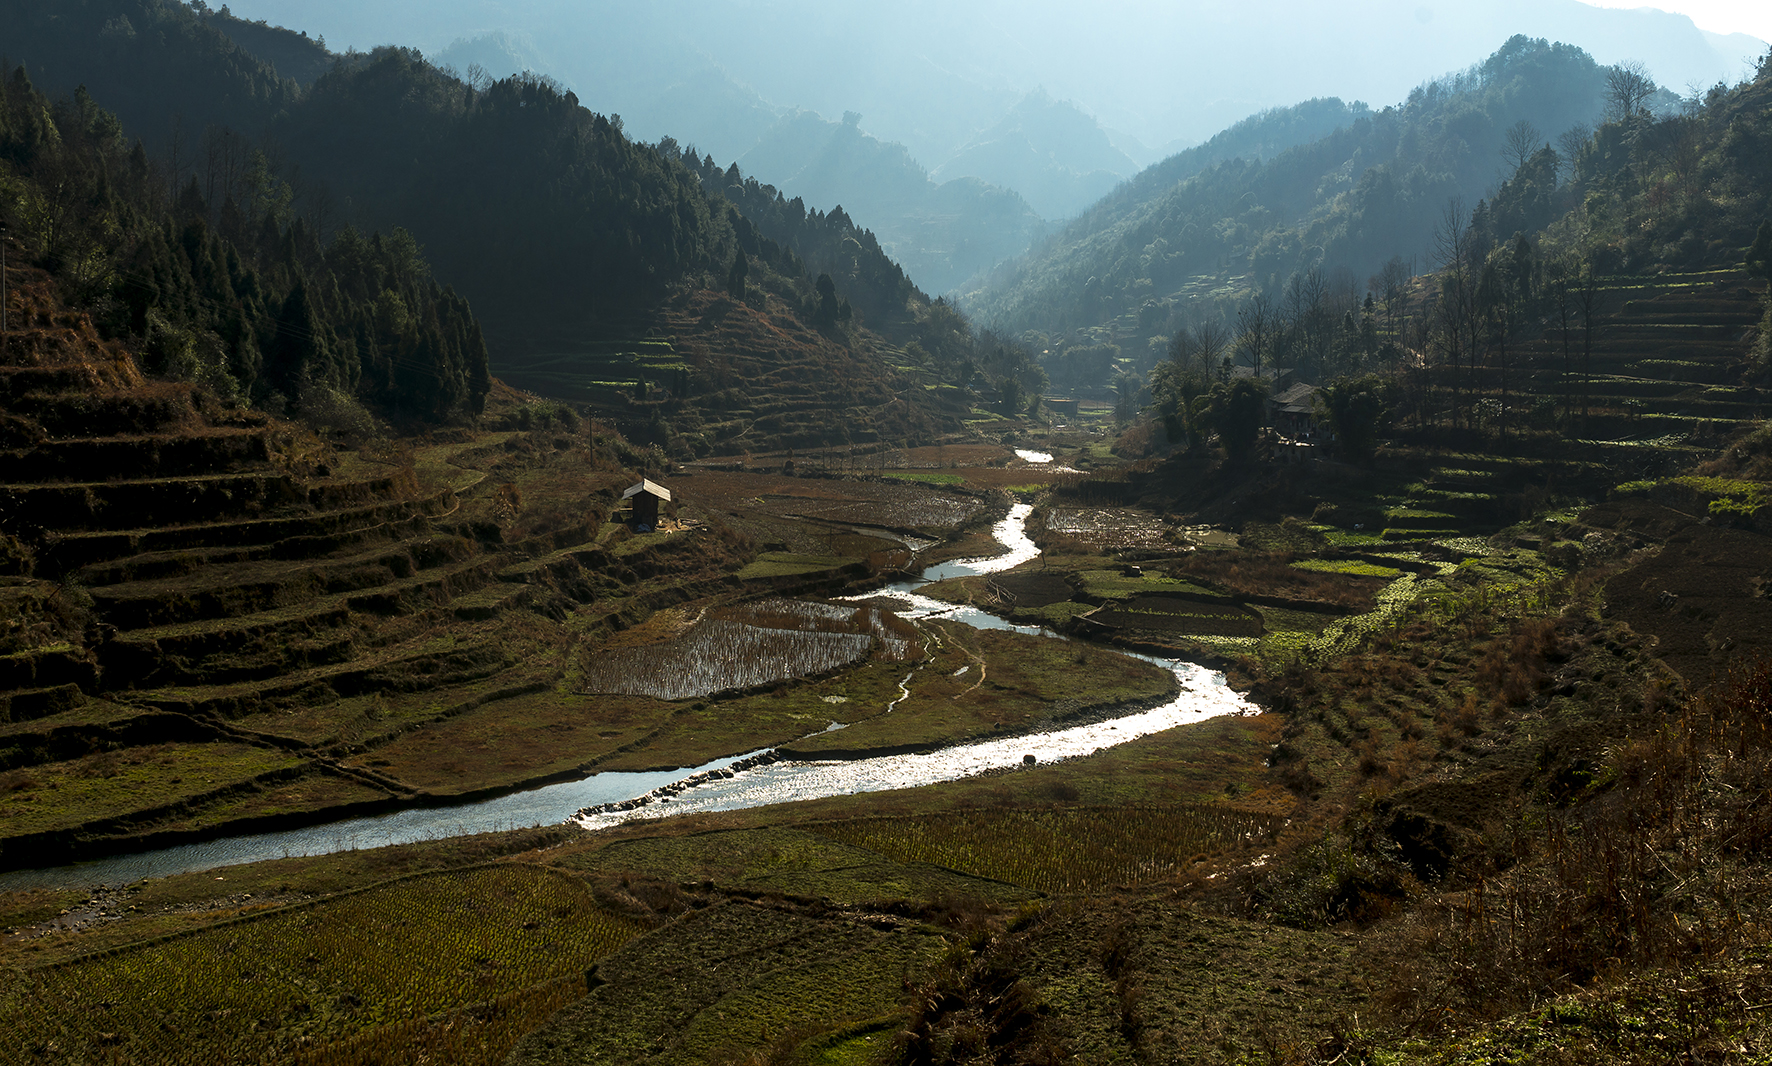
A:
[606,799]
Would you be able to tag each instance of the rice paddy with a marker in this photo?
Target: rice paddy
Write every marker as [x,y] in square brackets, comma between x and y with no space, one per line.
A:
[891,504]
[751,645]
[1108,529]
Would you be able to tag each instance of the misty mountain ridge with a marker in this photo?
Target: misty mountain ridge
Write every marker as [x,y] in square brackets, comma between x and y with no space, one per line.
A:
[1162,73]
[940,233]
[1218,223]
[968,101]
[497,53]
[1057,157]
[1051,152]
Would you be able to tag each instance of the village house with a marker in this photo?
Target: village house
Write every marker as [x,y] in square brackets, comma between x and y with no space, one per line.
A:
[646,497]
[1292,412]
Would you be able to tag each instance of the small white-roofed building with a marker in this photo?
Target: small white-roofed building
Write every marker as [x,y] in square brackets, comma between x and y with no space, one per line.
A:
[646,497]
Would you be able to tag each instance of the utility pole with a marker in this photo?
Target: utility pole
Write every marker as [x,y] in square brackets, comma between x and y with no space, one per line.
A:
[3,323]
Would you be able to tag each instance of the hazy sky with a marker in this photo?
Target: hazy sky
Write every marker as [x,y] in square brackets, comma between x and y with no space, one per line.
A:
[1752,17]
[931,73]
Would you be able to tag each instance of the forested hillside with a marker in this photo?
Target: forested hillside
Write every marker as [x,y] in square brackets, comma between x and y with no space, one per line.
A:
[563,232]
[1611,294]
[239,294]
[1348,201]
[1260,136]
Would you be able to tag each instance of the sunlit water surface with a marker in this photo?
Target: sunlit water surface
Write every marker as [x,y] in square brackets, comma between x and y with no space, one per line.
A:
[1203,695]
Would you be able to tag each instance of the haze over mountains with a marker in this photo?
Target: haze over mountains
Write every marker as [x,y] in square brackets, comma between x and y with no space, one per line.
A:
[879,109]
[932,76]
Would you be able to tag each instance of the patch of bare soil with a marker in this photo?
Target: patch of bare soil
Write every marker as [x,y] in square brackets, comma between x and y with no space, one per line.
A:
[940,456]
[1034,589]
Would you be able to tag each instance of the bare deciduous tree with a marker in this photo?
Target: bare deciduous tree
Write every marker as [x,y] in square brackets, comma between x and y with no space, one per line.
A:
[1628,89]
[1309,318]
[1458,321]
[1256,323]
[1391,283]
[1519,144]
[176,144]
[1210,342]
[225,158]
[1590,305]
[1571,143]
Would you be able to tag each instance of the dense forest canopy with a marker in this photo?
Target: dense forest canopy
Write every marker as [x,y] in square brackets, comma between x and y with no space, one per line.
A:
[557,226]
[240,293]
[538,209]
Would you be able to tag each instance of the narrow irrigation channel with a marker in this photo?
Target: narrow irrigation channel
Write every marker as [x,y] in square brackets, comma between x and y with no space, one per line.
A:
[752,779]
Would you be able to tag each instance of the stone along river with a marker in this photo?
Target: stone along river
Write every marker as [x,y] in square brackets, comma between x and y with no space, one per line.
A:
[749,780]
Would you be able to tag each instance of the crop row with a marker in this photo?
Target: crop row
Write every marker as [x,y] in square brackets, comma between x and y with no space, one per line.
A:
[1060,850]
[1342,636]
[481,1035]
[296,980]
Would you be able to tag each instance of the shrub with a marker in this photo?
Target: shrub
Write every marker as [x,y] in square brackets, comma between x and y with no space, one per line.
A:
[329,410]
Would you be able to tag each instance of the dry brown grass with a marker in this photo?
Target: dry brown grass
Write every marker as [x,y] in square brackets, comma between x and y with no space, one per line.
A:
[1646,897]
[1514,666]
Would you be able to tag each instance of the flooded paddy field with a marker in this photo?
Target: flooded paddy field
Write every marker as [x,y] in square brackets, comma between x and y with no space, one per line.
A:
[1169,614]
[748,645]
[1110,529]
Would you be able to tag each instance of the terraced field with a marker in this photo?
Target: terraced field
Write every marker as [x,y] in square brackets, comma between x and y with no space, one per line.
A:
[601,374]
[213,621]
[211,617]
[1665,359]
[332,981]
[711,375]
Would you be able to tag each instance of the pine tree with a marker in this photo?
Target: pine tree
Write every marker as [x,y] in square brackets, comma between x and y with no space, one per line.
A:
[735,278]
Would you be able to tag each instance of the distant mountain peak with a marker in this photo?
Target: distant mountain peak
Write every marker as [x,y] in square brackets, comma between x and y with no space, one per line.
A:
[1049,150]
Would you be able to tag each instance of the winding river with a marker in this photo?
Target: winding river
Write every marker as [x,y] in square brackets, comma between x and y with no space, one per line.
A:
[748,780]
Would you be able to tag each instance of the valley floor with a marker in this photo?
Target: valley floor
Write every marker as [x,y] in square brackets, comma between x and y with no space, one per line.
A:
[1503,800]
